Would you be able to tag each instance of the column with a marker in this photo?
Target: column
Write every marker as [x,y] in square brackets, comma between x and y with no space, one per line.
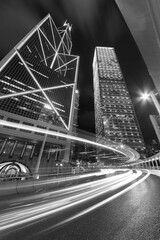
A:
[32,151]
[40,155]
[145,164]
[156,161]
[56,155]
[23,150]
[3,146]
[49,153]
[41,151]
[13,148]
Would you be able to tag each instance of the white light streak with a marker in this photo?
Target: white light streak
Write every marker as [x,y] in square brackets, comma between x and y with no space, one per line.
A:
[42,47]
[65,199]
[67,136]
[33,70]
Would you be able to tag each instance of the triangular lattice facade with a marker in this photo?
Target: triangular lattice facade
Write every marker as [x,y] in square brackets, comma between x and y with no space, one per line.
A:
[38,77]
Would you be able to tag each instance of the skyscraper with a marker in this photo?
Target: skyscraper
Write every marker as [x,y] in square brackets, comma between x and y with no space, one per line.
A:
[115,117]
[38,81]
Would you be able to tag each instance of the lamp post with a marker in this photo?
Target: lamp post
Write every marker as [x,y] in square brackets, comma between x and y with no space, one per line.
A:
[58,164]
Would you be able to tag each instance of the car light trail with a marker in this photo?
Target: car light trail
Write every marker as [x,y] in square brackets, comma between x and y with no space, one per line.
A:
[127,151]
[57,201]
[100,204]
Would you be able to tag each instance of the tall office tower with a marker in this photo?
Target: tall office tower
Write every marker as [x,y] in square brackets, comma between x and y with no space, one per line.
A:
[38,80]
[115,118]
[74,130]
[76,108]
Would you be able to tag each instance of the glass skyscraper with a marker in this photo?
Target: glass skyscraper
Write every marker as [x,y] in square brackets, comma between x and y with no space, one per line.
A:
[38,81]
[115,117]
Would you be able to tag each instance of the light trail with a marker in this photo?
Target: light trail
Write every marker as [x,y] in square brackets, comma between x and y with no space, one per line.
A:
[67,190]
[34,184]
[48,204]
[94,207]
[155,172]
[116,148]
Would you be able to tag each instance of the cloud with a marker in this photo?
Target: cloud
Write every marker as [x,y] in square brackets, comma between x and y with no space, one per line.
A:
[84,13]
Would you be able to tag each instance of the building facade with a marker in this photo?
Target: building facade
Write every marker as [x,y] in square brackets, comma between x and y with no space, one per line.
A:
[155,119]
[38,81]
[115,118]
[143,21]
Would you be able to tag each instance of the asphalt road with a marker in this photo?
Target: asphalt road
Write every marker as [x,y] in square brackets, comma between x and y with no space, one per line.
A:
[135,214]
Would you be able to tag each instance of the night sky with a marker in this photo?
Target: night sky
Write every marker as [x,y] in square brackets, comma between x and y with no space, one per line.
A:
[94,23]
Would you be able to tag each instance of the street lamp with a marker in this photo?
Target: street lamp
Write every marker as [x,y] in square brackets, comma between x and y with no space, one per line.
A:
[58,164]
[145,96]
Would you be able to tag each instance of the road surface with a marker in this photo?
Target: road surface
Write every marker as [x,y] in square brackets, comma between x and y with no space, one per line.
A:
[116,208]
